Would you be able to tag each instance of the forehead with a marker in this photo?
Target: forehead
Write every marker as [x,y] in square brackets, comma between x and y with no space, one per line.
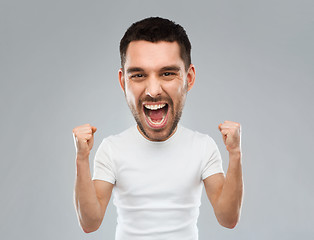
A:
[146,54]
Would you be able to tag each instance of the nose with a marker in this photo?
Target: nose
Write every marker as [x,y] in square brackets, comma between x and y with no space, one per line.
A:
[153,87]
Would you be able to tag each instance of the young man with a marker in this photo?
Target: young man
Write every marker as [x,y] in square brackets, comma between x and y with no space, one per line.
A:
[157,167]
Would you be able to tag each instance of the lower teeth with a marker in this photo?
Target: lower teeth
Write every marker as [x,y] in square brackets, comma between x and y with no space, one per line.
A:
[156,122]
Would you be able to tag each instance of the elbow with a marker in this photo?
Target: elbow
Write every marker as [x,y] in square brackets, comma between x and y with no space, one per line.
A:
[229,219]
[230,223]
[89,229]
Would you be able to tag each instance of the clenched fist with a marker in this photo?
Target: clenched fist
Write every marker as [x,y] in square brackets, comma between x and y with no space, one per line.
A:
[84,139]
[231,134]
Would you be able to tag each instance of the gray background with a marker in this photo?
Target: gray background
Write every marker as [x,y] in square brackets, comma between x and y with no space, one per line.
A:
[254,63]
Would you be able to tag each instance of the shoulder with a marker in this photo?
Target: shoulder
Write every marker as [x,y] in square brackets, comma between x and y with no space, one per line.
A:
[196,136]
[119,139]
[201,141]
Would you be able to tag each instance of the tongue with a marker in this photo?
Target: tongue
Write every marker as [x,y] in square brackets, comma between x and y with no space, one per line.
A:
[156,115]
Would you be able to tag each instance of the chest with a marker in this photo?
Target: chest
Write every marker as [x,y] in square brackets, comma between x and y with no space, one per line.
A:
[157,175]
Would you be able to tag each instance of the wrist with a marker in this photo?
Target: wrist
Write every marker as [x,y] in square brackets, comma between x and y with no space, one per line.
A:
[82,155]
[235,152]
[235,159]
[82,166]
[82,158]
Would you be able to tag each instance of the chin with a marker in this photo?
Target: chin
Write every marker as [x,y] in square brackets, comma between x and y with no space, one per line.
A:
[157,134]
[156,121]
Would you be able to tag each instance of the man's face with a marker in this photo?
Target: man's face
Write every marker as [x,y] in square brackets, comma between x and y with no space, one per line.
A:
[155,84]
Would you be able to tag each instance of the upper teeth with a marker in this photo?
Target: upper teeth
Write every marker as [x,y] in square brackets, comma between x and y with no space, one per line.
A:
[155,107]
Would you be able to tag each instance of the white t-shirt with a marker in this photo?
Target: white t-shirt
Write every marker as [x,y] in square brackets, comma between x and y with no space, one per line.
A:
[158,185]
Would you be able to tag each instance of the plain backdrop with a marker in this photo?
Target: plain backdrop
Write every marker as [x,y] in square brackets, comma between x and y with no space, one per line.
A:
[59,64]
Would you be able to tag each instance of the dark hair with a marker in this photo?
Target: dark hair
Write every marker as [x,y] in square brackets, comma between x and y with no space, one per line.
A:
[155,29]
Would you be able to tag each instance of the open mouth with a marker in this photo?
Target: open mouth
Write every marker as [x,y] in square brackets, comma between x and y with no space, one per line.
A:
[156,114]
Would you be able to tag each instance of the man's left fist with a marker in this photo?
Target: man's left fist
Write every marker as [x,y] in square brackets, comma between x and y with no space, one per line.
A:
[231,134]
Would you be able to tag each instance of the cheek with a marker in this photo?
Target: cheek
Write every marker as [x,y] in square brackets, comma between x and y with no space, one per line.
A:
[132,94]
[176,90]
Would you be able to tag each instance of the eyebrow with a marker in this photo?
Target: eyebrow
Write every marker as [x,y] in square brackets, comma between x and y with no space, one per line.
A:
[166,68]
[171,68]
[134,69]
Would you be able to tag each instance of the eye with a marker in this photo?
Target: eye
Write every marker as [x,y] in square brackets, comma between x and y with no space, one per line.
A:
[136,76]
[167,74]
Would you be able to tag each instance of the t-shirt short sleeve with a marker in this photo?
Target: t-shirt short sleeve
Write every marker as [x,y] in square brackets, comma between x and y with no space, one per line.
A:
[212,161]
[103,165]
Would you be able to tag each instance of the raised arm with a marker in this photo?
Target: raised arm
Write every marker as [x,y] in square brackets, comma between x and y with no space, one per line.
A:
[226,193]
[91,197]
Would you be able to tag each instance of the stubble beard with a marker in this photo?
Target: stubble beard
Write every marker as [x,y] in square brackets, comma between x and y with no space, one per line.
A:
[177,115]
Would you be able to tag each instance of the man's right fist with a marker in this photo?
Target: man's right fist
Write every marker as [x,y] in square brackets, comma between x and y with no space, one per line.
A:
[84,139]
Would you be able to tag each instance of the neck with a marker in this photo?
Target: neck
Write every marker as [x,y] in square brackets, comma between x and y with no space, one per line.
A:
[157,140]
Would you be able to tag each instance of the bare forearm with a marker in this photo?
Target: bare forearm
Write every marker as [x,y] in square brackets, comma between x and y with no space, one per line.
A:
[86,202]
[230,199]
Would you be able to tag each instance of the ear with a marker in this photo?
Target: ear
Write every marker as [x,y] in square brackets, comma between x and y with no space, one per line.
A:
[190,77]
[121,79]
